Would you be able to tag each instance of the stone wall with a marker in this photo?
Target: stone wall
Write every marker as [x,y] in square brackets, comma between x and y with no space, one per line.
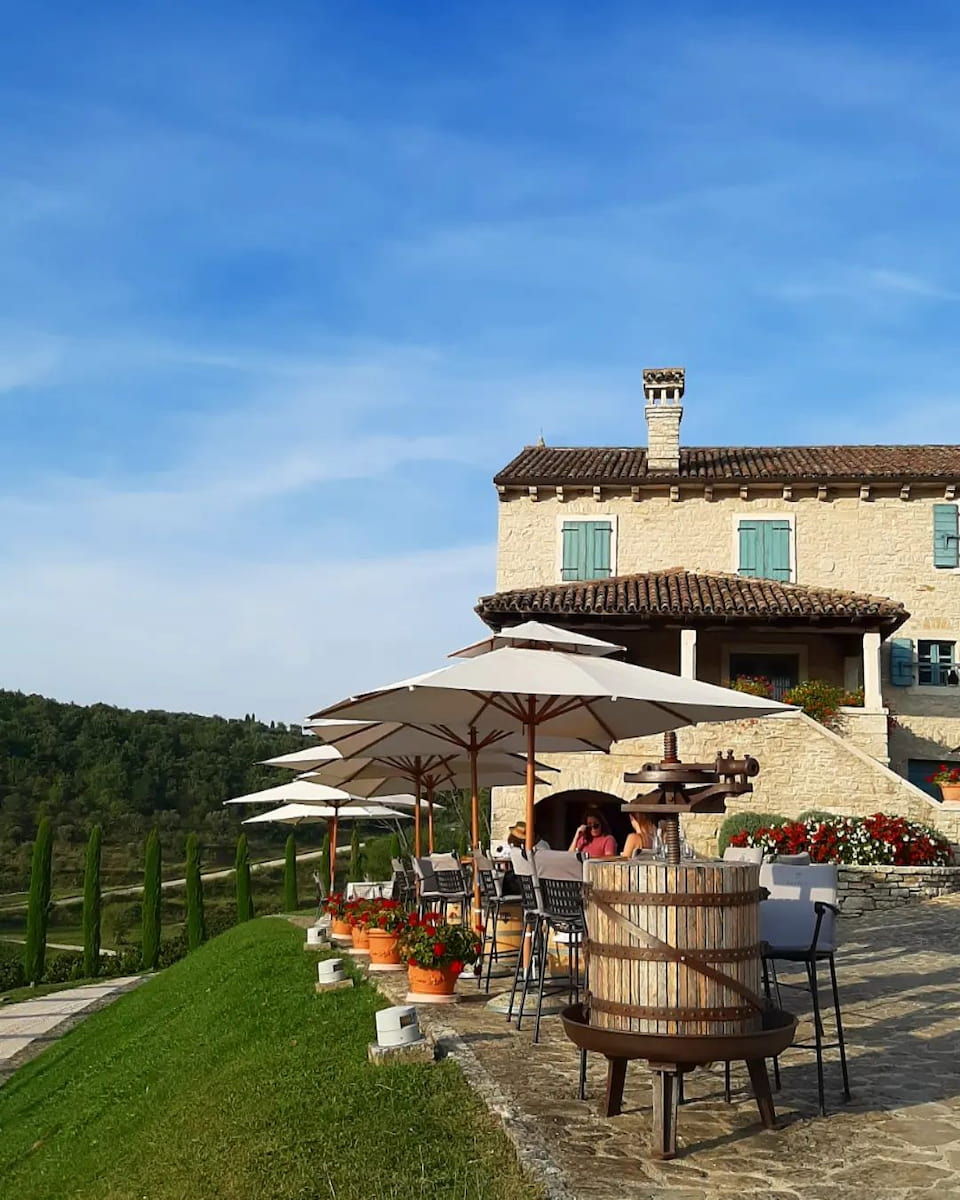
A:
[882,546]
[866,889]
[802,765]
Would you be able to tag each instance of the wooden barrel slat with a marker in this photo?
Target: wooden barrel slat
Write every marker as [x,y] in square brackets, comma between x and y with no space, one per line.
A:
[640,985]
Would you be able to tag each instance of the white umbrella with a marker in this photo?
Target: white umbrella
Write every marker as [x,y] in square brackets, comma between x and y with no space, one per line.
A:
[595,699]
[303,760]
[303,791]
[295,814]
[429,773]
[535,635]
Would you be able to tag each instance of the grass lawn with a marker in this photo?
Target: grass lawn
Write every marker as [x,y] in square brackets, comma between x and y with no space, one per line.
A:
[227,1076]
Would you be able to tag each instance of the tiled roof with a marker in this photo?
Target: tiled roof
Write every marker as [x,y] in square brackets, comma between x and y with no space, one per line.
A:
[591,465]
[679,593]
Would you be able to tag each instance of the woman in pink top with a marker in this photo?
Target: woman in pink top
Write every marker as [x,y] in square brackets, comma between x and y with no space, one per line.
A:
[593,838]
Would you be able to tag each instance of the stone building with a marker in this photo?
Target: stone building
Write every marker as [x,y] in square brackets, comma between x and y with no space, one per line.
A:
[834,563]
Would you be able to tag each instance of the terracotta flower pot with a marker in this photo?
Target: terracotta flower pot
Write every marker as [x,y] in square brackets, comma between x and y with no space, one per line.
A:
[950,792]
[430,981]
[361,937]
[339,927]
[383,948]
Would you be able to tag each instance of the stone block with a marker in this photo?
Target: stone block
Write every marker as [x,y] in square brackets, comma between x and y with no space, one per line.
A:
[338,985]
[421,1051]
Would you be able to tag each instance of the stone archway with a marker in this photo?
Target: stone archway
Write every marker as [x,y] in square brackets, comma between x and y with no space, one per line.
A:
[559,814]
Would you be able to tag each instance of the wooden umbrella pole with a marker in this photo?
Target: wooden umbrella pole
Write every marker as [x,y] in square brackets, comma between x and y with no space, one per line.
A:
[475,823]
[333,852]
[418,782]
[531,767]
[430,817]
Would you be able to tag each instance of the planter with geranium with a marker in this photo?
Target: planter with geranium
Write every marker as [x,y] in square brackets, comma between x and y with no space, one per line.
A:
[878,840]
[336,906]
[436,953]
[387,919]
[358,913]
[947,779]
[752,685]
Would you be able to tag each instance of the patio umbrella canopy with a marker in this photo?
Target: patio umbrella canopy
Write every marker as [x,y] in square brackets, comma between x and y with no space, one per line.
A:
[385,739]
[296,814]
[593,699]
[425,773]
[318,796]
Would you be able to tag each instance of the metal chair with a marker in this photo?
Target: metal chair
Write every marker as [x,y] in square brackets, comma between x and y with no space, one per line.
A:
[532,915]
[403,886]
[428,892]
[558,878]
[798,925]
[452,884]
[744,854]
[492,897]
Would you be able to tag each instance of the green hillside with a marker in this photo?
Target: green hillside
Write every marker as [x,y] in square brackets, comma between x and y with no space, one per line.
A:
[128,771]
[226,1076]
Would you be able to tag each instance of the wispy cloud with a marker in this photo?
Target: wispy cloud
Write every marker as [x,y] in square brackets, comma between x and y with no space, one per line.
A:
[287,299]
[865,283]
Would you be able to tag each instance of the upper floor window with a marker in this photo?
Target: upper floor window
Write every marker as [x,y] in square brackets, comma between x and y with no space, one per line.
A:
[587,550]
[765,548]
[946,536]
[937,664]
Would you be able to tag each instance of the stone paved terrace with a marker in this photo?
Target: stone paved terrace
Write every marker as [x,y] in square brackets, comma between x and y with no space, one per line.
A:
[899,1138]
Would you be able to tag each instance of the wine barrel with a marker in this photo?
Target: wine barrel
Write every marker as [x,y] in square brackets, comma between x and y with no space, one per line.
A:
[508,929]
[673,949]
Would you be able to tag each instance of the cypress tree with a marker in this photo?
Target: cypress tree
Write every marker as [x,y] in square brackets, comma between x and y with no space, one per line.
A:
[394,845]
[353,870]
[91,905]
[244,896]
[38,906]
[196,925]
[150,944]
[291,901]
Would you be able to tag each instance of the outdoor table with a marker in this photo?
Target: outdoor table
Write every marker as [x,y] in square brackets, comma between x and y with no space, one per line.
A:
[369,889]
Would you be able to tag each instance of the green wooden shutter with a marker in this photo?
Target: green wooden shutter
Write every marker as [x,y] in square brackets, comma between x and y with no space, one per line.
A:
[751,548]
[574,549]
[776,550]
[901,662]
[586,550]
[946,543]
[599,537]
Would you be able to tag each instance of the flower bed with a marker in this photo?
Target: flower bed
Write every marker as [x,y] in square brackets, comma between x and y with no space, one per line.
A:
[863,841]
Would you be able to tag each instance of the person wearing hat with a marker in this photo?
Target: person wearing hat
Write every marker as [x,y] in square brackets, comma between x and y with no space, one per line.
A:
[517,835]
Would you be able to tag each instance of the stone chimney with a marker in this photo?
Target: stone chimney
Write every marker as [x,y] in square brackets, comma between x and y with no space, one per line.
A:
[663,391]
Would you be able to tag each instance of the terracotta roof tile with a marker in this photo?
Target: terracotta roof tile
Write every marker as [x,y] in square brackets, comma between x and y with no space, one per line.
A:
[679,593]
[591,465]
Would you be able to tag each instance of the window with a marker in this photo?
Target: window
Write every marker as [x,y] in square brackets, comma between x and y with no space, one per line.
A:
[946,536]
[765,549]
[587,550]
[919,771]
[782,670]
[937,664]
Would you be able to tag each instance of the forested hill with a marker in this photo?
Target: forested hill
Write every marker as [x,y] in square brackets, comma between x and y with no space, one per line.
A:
[128,770]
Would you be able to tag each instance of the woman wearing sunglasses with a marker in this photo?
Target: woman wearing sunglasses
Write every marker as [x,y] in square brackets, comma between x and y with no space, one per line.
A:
[593,838]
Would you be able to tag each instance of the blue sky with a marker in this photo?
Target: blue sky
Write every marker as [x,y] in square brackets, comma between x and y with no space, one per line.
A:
[282,286]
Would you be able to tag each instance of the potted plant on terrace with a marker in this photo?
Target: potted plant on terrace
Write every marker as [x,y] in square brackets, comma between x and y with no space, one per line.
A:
[358,914]
[336,905]
[947,778]
[752,685]
[387,920]
[436,953]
